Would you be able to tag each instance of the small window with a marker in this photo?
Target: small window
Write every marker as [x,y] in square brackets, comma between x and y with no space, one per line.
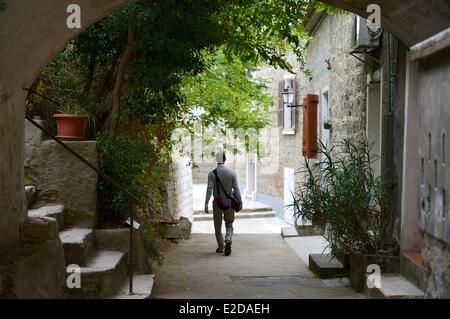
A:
[289,113]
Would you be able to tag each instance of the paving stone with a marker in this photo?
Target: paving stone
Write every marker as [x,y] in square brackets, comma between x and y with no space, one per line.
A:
[324,266]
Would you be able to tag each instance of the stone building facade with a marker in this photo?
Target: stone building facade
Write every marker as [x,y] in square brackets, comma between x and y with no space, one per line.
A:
[339,80]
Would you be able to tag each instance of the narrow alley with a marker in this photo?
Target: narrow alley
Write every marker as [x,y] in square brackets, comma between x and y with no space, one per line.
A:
[316,132]
[262,263]
[260,266]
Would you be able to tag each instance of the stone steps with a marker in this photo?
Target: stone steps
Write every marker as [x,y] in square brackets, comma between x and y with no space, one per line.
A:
[205,217]
[103,275]
[394,286]
[78,244]
[289,232]
[142,288]
[324,266]
[256,209]
[51,210]
[104,271]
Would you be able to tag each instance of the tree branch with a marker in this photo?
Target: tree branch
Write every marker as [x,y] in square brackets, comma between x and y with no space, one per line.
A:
[121,71]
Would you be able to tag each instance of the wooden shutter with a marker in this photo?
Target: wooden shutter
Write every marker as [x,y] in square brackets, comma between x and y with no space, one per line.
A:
[294,110]
[280,104]
[309,147]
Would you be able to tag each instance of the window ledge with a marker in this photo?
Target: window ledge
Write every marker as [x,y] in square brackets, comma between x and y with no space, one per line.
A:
[288,132]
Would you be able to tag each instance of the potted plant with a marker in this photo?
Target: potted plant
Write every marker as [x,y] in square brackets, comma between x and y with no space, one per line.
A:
[342,192]
[71,122]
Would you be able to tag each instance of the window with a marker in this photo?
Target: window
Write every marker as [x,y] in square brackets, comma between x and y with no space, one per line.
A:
[286,114]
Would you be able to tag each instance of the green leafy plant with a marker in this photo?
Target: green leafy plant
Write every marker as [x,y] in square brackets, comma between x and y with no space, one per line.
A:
[69,108]
[133,164]
[342,193]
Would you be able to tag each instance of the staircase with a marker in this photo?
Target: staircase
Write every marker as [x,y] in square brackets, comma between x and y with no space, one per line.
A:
[104,273]
[251,210]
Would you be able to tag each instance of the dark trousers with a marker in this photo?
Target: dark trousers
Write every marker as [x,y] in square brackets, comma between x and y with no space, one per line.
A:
[228,216]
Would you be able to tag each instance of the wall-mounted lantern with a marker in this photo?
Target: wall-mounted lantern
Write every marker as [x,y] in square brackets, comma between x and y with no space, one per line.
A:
[289,96]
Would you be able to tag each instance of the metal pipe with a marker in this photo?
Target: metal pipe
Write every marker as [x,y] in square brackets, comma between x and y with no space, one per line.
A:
[130,254]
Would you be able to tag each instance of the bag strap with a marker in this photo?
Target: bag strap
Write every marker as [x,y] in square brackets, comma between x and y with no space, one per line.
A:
[219,183]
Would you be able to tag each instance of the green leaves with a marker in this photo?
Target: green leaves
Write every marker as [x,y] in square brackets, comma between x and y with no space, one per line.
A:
[227,95]
[125,160]
[342,192]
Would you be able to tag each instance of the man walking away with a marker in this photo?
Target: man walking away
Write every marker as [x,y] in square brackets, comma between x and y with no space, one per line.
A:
[226,183]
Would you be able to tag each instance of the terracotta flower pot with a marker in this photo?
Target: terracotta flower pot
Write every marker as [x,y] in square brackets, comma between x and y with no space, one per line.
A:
[71,127]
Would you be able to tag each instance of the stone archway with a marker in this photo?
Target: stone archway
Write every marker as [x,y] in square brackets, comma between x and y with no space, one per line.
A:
[32,33]
[412,21]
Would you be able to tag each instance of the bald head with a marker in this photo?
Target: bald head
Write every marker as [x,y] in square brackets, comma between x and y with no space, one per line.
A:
[220,157]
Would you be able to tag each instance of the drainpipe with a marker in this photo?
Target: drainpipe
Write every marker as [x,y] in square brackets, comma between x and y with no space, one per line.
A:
[392,181]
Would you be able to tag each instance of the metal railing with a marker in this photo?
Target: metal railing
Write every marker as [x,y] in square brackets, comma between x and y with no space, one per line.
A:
[134,199]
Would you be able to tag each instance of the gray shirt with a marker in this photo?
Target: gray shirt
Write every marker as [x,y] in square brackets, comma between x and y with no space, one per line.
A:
[229,182]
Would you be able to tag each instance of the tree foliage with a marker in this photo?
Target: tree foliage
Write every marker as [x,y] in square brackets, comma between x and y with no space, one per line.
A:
[142,71]
[226,95]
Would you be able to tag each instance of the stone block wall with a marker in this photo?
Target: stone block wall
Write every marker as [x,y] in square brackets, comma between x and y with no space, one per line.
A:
[179,190]
[281,149]
[347,95]
[346,84]
[61,178]
[436,261]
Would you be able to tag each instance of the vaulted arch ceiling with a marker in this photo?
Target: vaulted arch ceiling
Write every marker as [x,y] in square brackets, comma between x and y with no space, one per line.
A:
[33,32]
[412,21]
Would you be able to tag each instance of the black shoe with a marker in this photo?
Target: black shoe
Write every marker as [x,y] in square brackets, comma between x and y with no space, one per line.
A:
[228,248]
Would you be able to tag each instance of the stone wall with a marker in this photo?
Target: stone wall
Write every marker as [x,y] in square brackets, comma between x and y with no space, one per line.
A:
[433,169]
[61,178]
[179,190]
[436,261]
[282,149]
[347,83]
